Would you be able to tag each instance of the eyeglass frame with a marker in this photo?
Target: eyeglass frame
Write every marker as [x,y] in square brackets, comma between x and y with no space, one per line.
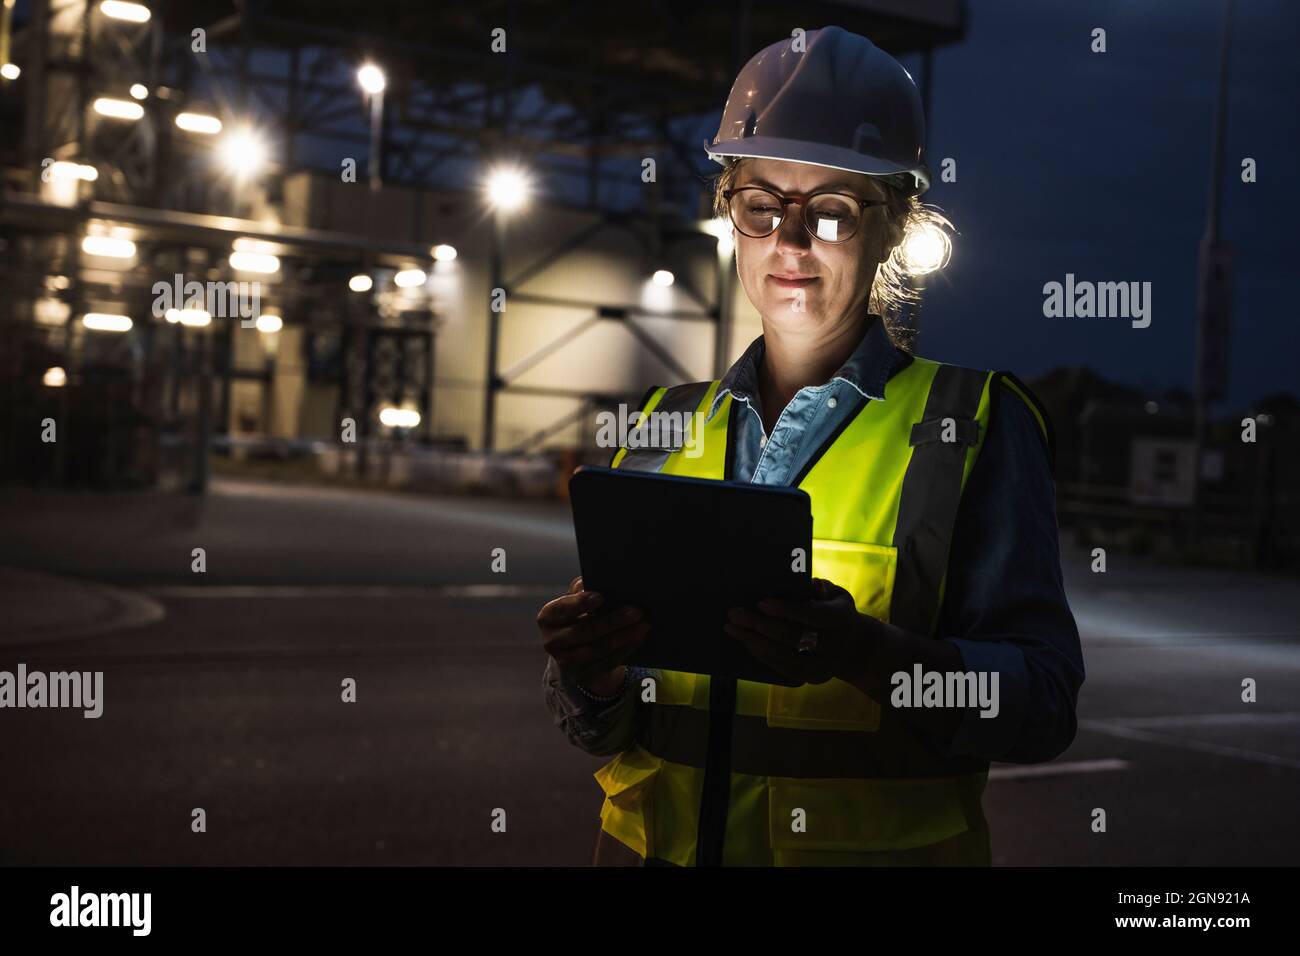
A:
[802,199]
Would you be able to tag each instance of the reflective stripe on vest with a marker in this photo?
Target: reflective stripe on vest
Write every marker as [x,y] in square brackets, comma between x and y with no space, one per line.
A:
[744,773]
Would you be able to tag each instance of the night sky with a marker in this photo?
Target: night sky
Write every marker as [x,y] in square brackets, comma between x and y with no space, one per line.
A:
[1098,164]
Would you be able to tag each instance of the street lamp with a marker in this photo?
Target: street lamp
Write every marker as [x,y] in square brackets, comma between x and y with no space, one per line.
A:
[373,82]
[243,153]
[120,10]
[506,189]
[391,416]
[372,79]
[193,318]
[250,255]
[198,123]
[117,109]
[112,247]
[410,278]
[106,322]
[269,323]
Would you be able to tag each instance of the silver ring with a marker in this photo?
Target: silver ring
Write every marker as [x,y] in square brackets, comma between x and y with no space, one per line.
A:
[808,642]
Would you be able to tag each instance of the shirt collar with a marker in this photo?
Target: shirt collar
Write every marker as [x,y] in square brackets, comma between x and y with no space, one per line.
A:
[871,365]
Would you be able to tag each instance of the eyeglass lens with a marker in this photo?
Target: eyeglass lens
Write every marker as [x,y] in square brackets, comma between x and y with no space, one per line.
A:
[831,218]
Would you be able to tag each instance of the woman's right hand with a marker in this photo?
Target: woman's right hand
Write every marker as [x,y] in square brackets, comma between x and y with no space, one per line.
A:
[589,641]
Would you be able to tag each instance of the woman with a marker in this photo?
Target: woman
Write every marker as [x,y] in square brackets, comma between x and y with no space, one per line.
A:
[939,637]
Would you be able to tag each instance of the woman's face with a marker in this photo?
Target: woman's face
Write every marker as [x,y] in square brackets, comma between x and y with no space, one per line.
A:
[841,273]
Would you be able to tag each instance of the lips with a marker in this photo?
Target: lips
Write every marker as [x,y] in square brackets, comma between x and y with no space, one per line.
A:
[791,280]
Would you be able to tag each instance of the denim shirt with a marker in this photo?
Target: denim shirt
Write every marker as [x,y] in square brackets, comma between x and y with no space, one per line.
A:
[1004,603]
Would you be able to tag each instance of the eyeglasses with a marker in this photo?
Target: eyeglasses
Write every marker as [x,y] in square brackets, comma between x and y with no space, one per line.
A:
[829,216]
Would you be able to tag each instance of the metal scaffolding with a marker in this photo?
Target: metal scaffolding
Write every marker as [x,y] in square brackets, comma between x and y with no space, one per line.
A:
[580,89]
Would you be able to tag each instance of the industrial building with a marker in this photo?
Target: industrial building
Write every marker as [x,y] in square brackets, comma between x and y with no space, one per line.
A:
[278,227]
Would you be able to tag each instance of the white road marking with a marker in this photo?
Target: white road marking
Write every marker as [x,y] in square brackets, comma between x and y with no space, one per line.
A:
[224,591]
[1163,636]
[1211,720]
[1124,730]
[1058,769]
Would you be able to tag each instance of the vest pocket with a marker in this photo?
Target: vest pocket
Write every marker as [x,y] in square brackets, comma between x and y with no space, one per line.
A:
[627,812]
[864,570]
[851,815]
[867,572]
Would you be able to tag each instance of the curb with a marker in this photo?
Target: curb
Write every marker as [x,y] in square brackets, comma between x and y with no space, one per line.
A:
[110,608]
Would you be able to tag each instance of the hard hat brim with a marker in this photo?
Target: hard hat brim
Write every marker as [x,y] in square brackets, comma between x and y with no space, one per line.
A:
[817,154]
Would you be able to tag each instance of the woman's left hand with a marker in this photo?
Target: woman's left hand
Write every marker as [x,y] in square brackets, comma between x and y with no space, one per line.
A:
[829,623]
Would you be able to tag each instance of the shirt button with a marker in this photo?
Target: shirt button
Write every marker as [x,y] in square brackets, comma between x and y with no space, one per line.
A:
[762,441]
[831,402]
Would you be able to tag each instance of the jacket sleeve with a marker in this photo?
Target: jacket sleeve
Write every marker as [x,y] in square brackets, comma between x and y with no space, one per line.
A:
[598,728]
[1005,606]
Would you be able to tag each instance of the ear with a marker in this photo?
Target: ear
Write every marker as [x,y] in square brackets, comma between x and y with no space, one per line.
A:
[893,235]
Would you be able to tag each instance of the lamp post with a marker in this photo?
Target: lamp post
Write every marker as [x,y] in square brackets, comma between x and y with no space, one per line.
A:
[1214,294]
[507,189]
[495,280]
[374,82]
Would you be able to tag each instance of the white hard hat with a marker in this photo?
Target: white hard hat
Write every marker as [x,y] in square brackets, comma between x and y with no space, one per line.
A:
[841,102]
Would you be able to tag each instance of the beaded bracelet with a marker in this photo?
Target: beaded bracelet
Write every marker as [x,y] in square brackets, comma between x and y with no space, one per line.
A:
[610,699]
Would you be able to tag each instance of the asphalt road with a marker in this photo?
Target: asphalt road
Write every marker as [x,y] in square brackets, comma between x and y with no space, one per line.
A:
[231,702]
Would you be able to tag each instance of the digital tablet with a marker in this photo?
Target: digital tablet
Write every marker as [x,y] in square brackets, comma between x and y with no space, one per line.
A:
[684,551]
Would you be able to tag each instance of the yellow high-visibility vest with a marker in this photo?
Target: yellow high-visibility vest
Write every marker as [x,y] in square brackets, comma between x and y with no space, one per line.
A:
[735,772]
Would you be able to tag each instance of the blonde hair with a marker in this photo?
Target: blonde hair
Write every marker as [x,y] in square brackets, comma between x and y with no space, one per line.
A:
[893,289]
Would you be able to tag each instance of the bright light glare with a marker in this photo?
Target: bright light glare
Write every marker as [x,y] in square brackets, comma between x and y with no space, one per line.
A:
[119,10]
[721,230]
[371,79]
[662,277]
[66,171]
[106,322]
[262,262]
[10,71]
[196,318]
[444,253]
[925,249]
[269,323]
[507,188]
[55,377]
[198,123]
[51,311]
[243,153]
[139,91]
[398,417]
[409,278]
[360,283]
[117,109]
[110,246]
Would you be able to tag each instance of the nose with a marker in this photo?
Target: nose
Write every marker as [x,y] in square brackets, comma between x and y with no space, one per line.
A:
[791,236]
